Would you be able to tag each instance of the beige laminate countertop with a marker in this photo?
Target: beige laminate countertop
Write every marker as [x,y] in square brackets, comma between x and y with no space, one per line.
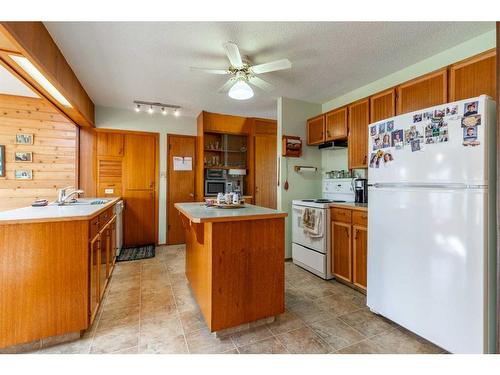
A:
[53,212]
[351,206]
[199,213]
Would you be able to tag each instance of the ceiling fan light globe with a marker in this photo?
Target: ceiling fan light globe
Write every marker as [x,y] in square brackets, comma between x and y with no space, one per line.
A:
[240,91]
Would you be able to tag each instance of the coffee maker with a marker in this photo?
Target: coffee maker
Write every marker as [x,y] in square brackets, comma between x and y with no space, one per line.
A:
[361,190]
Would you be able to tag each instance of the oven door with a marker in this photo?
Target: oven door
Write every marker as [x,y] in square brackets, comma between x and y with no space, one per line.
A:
[300,237]
[214,187]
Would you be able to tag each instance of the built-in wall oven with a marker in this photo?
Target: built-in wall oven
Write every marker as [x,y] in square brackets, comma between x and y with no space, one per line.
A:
[215,182]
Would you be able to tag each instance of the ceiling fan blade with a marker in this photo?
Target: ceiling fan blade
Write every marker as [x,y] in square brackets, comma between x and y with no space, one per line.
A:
[210,71]
[260,83]
[233,54]
[226,86]
[271,66]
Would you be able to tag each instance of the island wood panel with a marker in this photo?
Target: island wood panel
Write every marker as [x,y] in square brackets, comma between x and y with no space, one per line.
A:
[33,305]
[248,280]
[34,42]
[358,134]
[139,219]
[473,77]
[426,91]
[54,150]
[383,105]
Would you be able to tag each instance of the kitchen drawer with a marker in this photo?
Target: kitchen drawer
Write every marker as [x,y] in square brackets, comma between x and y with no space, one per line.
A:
[341,214]
[360,218]
[94,227]
[105,217]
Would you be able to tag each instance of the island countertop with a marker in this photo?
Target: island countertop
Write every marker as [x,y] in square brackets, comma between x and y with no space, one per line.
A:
[54,212]
[199,213]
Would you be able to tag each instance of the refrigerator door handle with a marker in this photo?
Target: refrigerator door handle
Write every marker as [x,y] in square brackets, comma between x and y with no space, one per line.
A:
[427,186]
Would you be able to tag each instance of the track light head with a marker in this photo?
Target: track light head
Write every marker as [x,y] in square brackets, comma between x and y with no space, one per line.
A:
[176,113]
[138,108]
[150,110]
[163,111]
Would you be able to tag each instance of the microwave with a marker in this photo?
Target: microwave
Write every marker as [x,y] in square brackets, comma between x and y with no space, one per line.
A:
[215,174]
[214,187]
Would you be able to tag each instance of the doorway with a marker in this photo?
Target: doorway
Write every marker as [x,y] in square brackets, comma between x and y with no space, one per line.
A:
[180,181]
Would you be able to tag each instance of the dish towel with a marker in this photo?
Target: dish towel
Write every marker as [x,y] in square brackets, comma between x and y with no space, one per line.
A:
[311,222]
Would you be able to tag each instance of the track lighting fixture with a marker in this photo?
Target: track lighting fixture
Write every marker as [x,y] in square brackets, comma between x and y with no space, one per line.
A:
[162,106]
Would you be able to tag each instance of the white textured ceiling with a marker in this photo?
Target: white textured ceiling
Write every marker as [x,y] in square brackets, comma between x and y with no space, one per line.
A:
[11,85]
[118,62]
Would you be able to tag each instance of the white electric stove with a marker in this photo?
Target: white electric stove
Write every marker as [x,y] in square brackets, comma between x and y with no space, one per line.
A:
[313,252]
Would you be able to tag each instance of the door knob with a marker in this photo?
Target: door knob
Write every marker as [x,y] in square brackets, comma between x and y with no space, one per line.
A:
[191,194]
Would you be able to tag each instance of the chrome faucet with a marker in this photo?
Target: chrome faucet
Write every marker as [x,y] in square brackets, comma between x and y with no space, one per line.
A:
[62,197]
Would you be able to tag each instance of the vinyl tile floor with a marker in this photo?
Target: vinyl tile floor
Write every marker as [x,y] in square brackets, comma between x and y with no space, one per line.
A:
[148,308]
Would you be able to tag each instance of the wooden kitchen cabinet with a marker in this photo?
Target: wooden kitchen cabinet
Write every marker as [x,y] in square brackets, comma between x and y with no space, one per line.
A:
[341,247]
[383,105]
[110,144]
[95,261]
[316,130]
[422,92]
[358,134]
[336,125]
[138,217]
[473,77]
[349,244]
[360,258]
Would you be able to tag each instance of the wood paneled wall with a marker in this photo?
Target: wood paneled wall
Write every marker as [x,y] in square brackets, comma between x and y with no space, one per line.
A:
[54,150]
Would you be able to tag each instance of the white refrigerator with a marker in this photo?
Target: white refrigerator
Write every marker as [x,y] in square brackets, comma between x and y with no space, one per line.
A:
[431,223]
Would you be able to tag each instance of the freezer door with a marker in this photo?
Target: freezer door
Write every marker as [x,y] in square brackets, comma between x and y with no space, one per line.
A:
[426,263]
[440,162]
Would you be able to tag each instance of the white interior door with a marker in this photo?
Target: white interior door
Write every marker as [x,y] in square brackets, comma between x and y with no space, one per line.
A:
[426,263]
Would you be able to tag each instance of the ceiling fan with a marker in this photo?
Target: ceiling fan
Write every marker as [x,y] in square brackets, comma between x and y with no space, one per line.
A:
[244,74]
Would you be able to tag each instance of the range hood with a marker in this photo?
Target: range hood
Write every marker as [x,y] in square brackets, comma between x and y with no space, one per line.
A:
[333,145]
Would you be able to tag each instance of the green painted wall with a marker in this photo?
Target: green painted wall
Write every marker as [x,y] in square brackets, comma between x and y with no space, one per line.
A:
[292,117]
[462,51]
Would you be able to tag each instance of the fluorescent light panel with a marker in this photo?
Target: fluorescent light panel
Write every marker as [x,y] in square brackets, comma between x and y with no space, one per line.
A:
[29,68]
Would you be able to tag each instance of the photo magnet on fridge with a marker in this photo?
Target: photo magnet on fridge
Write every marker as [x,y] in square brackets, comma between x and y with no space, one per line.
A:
[417,117]
[470,136]
[470,108]
[415,145]
[386,140]
[397,139]
[390,126]
[387,158]
[472,120]
[373,159]
[373,130]
[381,127]
[428,115]
[453,110]
[439,113]
[377,142]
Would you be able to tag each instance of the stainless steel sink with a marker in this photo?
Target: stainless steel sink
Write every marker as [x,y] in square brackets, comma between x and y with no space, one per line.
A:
[84,201]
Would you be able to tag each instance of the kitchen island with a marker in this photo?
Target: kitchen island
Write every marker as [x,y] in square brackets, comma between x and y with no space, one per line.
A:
[235,262]
[55,262]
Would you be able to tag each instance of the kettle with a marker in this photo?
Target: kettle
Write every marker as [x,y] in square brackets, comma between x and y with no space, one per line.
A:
[361,190]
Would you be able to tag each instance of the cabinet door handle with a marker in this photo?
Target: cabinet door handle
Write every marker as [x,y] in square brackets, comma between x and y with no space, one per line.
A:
[347,231]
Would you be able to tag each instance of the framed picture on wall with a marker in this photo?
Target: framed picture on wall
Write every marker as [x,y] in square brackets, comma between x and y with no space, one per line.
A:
[23,174]
[23,156]
[24,139]
[2,161]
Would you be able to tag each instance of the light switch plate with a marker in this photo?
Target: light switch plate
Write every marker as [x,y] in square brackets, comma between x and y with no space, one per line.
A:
[109,191]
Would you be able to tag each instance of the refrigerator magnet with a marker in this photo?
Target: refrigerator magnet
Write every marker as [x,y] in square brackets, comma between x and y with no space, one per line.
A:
[390,126]
[470,136]
[388,158]
[373,130]
[439,113]
[397,139]
[381,128]
[373,159]
[386,140]
[472,120]
[415,145]
[417,117]
[470,108]
[452,110]
[428,115]
[377,142]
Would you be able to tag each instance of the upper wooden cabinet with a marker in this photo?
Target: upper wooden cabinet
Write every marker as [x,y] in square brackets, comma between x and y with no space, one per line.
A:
[383,105]
[423,92]
[336,124]
[316,130]
[109,144]
[358,134]
[473,77]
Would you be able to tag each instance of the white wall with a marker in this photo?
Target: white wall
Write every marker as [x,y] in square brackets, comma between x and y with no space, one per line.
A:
[292,116]
[124,119]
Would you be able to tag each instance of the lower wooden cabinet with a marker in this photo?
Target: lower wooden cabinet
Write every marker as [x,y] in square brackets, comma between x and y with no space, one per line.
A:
[349,244]
[102,259]
[341,247]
